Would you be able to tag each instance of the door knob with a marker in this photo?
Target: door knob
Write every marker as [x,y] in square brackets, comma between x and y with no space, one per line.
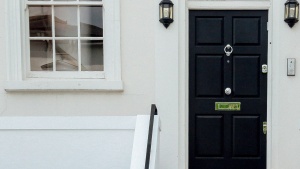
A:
[227,91]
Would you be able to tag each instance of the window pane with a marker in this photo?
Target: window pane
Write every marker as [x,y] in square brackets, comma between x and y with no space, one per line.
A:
[91,21]
[65,21]
[40,21]
[92,55]
[66,55]
[41,58]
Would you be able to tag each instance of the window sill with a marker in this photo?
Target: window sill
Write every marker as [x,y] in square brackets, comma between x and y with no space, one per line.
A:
[58,85]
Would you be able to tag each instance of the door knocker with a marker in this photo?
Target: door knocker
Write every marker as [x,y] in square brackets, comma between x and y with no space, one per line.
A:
[228,50]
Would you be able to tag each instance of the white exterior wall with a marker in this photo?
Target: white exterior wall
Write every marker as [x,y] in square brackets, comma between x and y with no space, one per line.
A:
[154,70]
[285,93]
[137,53]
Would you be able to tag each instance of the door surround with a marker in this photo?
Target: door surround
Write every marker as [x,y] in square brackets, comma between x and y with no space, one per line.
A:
[184,65]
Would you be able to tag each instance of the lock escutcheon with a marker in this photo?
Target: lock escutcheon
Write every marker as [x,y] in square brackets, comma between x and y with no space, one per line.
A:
[264,68]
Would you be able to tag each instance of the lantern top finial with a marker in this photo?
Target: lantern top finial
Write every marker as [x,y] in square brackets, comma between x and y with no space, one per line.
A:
[166,2]
[291,1]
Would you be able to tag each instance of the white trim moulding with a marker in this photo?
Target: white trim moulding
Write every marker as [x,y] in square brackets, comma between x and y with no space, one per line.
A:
[68,123]
[232,5]
[64,3]
[87,85]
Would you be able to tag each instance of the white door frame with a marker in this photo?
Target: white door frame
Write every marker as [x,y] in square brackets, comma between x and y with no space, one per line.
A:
[184,8]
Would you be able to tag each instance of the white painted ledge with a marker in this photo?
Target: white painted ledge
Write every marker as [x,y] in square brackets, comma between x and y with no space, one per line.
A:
[68,123]
[70,85]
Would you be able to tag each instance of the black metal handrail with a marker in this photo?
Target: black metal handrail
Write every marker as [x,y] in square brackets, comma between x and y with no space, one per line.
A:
[151,122]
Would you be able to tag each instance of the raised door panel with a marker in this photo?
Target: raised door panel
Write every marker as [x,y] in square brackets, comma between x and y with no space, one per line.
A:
[209,70]
[209,31]
[246,31]
[246,136]
[246,76]
[209,136]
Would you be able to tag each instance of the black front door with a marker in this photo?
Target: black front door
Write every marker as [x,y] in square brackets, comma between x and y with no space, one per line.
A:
[227,92]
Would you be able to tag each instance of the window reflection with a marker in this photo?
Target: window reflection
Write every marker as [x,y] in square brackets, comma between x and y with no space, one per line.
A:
[92,55]
[41,58]
[66,55]
[91,23]
[40,21]
[65,21]
[64,38]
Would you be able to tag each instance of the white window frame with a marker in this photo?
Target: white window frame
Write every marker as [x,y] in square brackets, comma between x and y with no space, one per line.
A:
[18,78]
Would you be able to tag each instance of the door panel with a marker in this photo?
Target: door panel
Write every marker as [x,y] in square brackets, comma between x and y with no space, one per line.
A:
[213,64]
[209,144]
[210,31]
[246,31]
[246,76]
[246,136]
[227,139]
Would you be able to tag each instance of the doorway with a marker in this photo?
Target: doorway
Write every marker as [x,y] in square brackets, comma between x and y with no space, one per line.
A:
[227,89]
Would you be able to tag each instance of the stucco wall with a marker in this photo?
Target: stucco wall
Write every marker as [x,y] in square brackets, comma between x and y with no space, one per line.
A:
[153,71]
[285,92]
[137,49]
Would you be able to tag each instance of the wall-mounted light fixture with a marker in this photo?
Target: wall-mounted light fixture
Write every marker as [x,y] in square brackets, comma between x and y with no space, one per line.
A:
[291,15]
[166,12]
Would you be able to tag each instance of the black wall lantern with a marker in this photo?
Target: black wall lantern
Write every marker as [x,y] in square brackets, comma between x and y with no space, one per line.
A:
[291,15]
[166,12]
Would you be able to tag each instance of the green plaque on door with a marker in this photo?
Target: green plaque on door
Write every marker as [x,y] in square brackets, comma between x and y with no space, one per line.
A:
[228,106]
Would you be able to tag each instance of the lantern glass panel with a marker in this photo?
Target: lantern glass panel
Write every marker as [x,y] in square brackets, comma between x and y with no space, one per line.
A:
[171,12]
[286,11]
[292,11]
[166,11]
[297,12]
[160,12]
